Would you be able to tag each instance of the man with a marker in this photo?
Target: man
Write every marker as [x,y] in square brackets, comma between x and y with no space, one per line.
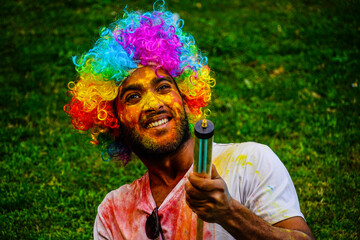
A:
[142,83]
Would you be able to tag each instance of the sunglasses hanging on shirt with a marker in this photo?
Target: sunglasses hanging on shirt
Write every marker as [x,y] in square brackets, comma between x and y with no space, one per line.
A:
[153,226]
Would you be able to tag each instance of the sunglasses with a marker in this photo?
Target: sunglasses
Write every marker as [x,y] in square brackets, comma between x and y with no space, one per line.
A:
[153,227]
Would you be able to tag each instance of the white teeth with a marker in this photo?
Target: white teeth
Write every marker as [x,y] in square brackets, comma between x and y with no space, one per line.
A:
[158,123]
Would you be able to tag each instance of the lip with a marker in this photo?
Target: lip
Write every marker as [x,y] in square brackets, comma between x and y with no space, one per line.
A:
[155,119]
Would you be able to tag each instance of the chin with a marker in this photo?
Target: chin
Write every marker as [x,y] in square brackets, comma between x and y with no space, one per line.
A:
[157,146]
[150,147]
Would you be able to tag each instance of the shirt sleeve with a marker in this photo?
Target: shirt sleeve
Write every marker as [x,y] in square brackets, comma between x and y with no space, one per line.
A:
[268,188]
[100,231]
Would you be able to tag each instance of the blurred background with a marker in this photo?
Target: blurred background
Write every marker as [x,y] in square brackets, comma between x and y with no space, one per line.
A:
[287,76]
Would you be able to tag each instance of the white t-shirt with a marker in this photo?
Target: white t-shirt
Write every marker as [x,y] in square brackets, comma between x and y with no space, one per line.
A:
[253,173]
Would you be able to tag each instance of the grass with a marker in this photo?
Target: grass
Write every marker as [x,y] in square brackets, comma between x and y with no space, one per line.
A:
[287,76]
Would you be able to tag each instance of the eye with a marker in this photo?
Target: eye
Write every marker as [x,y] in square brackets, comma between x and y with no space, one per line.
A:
[164,88]
[133,98]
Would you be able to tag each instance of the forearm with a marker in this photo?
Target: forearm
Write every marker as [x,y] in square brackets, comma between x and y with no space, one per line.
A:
[241,223]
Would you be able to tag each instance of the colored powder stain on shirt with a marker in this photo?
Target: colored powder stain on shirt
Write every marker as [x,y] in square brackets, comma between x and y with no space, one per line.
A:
[230,159]
[223,161]
[275,204]
[123,213]
[283,211]
[241,160]
[258,203]
[258,174]
[269,189]
[279,209]
[220,166]
[127,221]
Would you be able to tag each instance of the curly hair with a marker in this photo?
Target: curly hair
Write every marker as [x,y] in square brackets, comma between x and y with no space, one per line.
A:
[137,39]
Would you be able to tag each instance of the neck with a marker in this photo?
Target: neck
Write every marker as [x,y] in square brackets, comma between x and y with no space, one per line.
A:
[168,170]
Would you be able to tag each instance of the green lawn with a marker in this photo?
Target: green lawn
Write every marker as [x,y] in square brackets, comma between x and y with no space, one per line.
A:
[287,76]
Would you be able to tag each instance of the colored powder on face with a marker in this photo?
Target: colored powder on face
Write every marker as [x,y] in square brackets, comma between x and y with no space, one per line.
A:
[139,38]
[149,97]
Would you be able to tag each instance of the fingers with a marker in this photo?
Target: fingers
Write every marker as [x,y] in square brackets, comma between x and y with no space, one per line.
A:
[193,192]
[199,204]
[208,198]
[202,210]
[204,205]
[196,203]
[206,184]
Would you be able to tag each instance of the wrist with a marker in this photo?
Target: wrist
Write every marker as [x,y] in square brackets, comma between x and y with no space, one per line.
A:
[241,223]
[228,212]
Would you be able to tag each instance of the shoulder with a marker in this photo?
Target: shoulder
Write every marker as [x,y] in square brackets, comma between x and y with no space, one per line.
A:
[245,154]
[120,209]
[246,148]
[248,166]
[123,196]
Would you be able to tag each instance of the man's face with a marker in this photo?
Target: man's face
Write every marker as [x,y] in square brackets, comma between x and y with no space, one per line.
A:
[151,113]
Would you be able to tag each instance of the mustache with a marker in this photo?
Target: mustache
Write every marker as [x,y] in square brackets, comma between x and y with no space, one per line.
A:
[150,115]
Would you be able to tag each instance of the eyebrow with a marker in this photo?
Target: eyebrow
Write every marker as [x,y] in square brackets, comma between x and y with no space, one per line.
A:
[156,80]
[134,86]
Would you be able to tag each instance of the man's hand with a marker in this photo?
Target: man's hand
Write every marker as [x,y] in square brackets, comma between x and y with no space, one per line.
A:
[208,198]
[211,201]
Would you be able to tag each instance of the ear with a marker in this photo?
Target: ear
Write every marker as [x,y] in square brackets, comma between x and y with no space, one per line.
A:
[115,132]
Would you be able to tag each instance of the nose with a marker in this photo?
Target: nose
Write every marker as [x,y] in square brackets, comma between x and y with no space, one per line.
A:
[152,103]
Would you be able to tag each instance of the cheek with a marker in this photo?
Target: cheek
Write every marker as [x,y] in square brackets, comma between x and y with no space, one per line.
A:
[130,117]
[171,98]
[174,101]
[177,108]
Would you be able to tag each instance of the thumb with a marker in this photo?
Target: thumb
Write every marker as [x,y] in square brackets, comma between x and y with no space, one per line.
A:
[214,172]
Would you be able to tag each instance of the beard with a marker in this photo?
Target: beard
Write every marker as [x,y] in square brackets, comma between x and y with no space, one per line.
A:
[145,146]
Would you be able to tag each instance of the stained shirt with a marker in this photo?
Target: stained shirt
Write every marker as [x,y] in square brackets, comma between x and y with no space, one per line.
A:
[255,177]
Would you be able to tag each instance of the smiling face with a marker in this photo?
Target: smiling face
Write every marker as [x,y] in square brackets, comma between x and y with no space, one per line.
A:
[151,113]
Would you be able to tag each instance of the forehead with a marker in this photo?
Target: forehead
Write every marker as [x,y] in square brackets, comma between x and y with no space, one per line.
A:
[143,75]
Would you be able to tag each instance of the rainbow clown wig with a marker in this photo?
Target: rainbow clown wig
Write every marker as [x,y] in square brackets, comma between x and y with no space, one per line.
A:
[137,39]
